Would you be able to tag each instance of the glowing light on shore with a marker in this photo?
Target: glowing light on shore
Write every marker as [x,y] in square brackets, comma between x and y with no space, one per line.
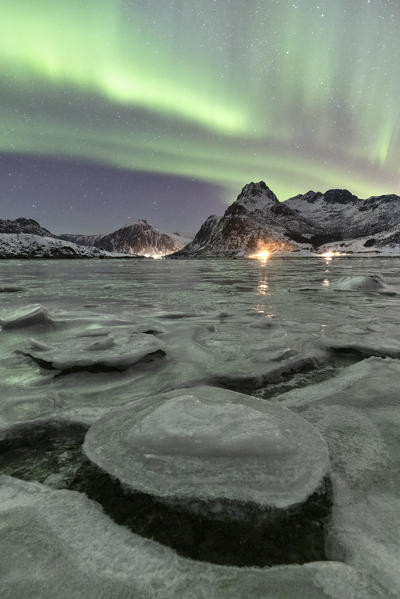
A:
[262,255]
[154,256]
[330,254]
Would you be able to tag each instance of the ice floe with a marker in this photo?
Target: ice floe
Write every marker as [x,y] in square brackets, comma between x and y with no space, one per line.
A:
[209,444]
[363,283]
[262,354]
[29,316]
[110,352]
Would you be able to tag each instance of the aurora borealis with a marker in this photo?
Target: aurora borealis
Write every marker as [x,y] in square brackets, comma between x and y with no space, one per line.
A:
[302,94]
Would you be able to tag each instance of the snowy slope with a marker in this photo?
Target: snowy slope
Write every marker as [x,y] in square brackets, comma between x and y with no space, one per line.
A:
[24,225]
[24,245]
[338,215]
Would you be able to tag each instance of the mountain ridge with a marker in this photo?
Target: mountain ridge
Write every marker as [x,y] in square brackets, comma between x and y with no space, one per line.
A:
[26,238]
[305,222]
[139,237]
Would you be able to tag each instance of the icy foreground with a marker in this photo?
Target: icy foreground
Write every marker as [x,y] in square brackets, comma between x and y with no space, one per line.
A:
[318,373]
[96,559]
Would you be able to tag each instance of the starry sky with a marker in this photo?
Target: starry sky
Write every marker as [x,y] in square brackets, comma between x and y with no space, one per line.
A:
[113,110]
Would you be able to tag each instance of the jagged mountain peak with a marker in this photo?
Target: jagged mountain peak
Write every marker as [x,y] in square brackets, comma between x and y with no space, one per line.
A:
[253,197]
[256,190]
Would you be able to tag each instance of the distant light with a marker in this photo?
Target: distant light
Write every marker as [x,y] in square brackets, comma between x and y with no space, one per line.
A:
[330,254]
[154,256]
[263,255]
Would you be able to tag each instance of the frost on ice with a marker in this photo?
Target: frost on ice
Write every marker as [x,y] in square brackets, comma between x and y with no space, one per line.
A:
[211,444]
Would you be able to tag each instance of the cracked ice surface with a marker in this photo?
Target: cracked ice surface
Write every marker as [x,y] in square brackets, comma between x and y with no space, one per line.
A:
[238,324]
[69,549]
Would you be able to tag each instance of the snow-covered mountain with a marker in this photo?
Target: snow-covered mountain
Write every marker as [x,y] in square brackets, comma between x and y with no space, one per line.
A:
[339,216]
[139,238]
[309,222]
[26,245]
[24,225]
[255,218]
[26,238]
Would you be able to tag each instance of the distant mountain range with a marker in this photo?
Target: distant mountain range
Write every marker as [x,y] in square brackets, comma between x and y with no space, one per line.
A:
[30,245]
[139,238]
[26,238]
[311,222]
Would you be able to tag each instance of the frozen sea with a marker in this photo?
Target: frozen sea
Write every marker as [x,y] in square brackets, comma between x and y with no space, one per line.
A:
[84,340]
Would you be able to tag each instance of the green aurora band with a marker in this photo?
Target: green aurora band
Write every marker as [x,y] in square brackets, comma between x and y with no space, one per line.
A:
[302,94]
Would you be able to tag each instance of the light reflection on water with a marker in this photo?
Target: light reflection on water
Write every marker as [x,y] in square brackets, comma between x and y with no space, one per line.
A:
[144,287]
[262,287]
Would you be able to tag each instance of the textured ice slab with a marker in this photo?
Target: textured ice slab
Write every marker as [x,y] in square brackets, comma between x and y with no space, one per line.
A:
[263,353]
[26,317]
[363,283]
[211,444]
[371,340]
[60,544]
[108,352]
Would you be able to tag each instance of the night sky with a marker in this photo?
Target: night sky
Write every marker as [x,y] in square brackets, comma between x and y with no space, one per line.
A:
[113,110]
